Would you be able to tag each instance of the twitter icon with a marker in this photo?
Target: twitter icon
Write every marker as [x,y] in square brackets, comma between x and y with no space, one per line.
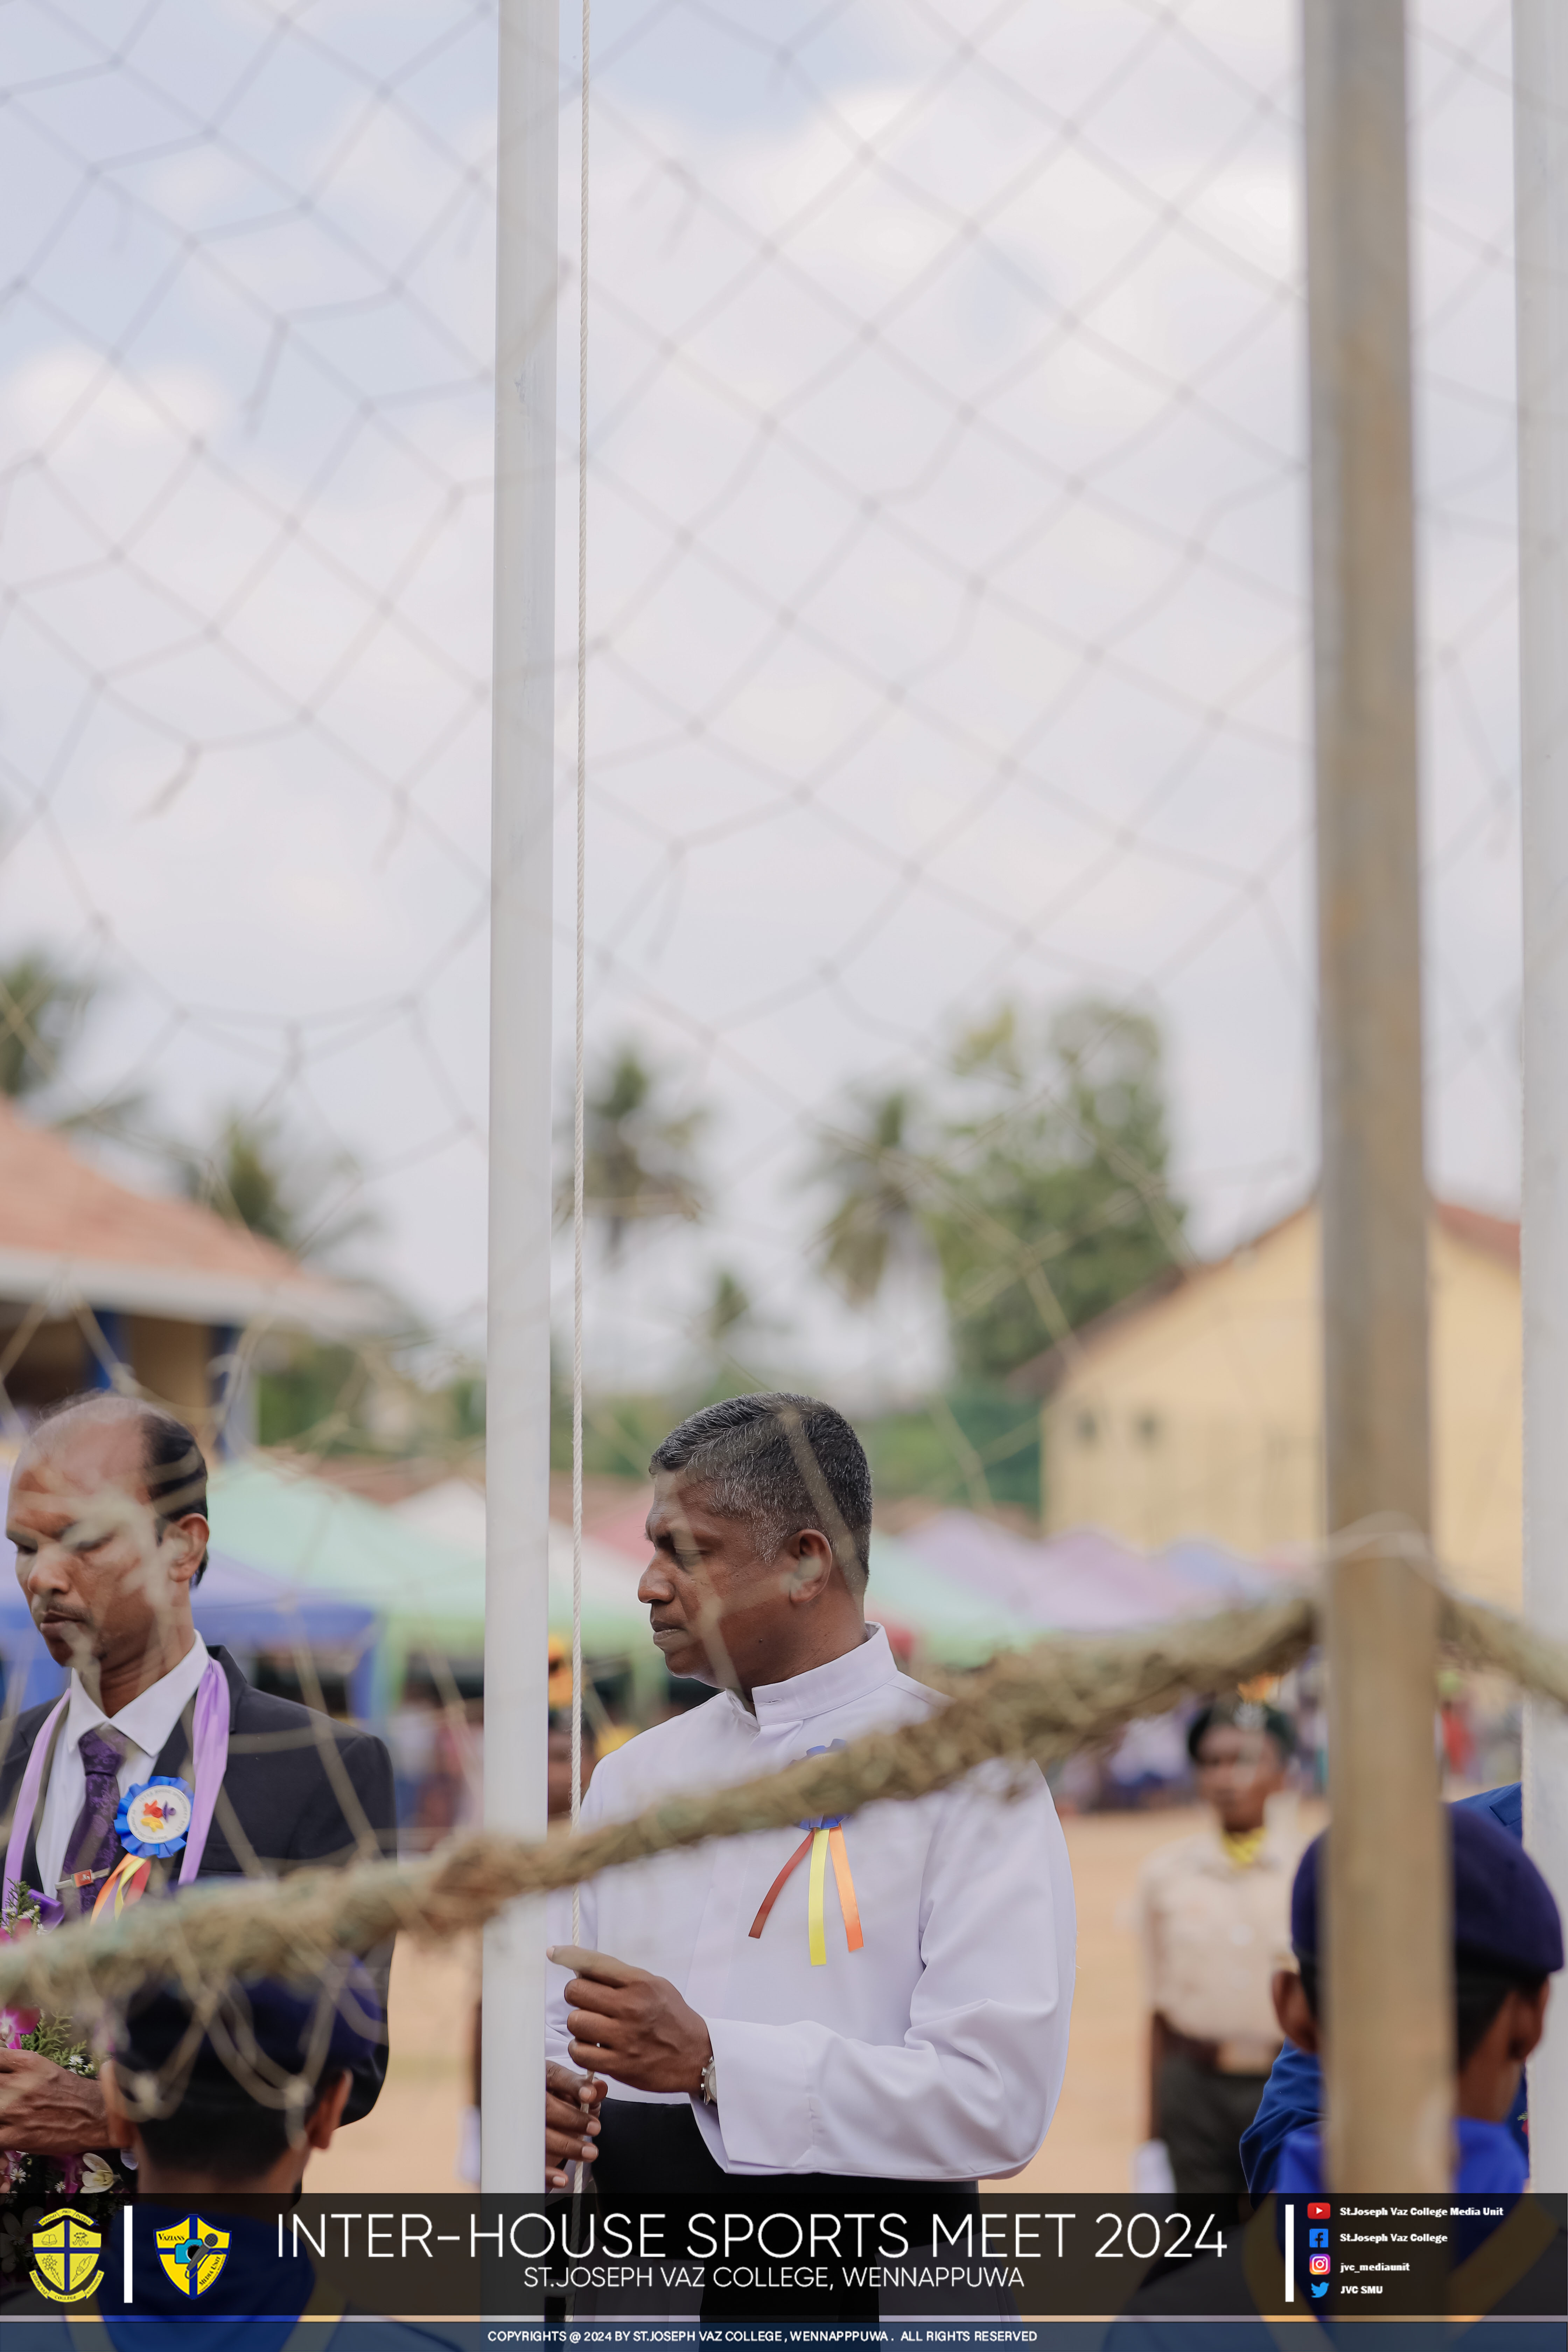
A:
[1320,2288]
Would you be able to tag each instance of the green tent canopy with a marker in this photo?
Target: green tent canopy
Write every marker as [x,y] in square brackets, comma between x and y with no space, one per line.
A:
[424,1574]
[429,1590]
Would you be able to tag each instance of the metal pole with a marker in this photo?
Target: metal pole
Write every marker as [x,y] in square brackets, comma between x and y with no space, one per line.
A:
[1541,215]
[518,1385]
[1389,2009]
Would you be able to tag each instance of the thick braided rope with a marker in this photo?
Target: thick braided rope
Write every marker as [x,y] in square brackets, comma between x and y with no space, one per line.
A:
[1042,1705]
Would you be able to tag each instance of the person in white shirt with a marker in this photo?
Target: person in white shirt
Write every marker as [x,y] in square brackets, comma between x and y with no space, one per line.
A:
[886,2000]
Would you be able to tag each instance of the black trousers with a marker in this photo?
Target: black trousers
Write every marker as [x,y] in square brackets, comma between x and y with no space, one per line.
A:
[1201,2115]
[651,2155]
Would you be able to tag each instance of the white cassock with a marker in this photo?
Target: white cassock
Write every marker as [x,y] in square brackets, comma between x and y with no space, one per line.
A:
[935,2053]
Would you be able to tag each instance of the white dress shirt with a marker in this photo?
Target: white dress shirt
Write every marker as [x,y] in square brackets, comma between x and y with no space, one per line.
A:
[146,1723]
[935,2053]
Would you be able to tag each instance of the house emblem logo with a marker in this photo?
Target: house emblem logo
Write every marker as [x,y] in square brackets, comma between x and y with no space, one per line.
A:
[193,2253]
[66,2253]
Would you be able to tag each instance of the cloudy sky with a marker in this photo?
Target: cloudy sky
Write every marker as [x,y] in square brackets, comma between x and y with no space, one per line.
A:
[947,580]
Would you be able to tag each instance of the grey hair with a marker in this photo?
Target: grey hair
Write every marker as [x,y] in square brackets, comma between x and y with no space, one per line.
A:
[780,1462]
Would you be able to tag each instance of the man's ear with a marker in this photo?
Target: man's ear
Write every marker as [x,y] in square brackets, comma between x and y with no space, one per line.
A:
[1294,2011]
[122,2132]
[1527,2020]
[328,2112]
[812,1566]
[187,1540]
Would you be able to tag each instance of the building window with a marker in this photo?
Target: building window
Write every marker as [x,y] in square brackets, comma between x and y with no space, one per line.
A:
[1146,1429]
[1087,1428]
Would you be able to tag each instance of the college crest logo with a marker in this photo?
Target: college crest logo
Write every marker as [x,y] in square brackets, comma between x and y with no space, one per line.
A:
[193,2253]
[67,2252]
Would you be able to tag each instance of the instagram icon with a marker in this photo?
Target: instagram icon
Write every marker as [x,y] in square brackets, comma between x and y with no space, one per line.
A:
[1318,2265]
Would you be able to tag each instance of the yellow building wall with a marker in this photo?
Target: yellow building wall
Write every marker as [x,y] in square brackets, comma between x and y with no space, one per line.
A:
[1199,1413]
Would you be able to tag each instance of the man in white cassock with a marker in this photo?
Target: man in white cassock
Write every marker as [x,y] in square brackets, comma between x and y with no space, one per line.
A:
[884,2000]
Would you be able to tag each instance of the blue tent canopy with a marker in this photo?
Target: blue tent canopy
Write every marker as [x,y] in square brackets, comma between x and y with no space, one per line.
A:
[238,1606]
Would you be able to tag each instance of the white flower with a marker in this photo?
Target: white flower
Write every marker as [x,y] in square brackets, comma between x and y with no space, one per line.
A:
[97,2175]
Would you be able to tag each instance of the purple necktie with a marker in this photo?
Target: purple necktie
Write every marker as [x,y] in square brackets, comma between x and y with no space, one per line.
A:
[92,1844]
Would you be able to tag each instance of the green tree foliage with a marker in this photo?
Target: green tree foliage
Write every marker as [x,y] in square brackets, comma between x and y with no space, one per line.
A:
[976,1447]
[253,1174]
[325,1396]
[1050,1203]
[1042,1189]
[874,1172]
[640,1150]
[330,1399]
[728,1308]
[44,1008]
[312,1394]
[619,1431]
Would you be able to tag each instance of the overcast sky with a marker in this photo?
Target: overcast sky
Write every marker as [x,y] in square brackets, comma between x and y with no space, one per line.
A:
[947,565]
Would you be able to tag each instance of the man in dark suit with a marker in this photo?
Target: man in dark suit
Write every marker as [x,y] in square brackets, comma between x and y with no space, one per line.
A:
[162,1763]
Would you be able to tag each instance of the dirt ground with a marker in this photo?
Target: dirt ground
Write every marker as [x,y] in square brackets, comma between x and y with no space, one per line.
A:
[410,2140]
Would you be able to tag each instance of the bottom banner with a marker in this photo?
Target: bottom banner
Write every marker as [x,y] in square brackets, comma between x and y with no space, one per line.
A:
[916,2266]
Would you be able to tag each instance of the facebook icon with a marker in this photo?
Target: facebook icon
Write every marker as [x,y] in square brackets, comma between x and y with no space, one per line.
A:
[1317,2237]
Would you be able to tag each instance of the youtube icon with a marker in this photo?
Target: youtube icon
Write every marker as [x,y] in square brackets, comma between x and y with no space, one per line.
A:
[1317,2211]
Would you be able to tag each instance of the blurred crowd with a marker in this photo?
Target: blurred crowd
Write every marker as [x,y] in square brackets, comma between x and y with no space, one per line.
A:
[1152,1764]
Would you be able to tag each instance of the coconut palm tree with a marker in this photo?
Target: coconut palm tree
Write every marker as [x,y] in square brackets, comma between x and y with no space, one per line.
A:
[1052,1201]
[255,1176]
[728,1305]
[871,1162]
[639,1156]
[44,1008]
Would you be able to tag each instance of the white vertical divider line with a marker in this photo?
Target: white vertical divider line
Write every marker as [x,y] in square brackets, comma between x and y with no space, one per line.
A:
[1540,225]
[517,1615]
[1290,2252]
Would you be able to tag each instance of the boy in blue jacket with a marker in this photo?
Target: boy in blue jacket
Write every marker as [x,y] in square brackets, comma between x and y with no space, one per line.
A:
[1508,1944]
[1294,2095]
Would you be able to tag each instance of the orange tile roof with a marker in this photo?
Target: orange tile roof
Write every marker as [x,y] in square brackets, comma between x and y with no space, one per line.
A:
[1499,1236]
[62,1219]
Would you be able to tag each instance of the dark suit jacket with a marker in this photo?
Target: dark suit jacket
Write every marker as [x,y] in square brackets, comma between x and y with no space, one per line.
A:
[300,1789]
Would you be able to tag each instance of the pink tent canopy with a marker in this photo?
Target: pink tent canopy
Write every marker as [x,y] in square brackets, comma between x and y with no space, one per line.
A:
[1085,1580]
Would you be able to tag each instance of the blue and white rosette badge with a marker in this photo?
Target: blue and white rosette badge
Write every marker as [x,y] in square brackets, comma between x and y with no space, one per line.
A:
[154,1817]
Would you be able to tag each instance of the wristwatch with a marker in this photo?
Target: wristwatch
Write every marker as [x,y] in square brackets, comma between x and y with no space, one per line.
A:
[709,2085]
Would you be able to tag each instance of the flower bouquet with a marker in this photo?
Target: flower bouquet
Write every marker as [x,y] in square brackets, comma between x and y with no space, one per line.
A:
[23,2172]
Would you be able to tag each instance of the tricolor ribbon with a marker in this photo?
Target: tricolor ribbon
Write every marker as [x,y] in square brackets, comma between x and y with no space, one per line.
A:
[824,1839]
[126,1883]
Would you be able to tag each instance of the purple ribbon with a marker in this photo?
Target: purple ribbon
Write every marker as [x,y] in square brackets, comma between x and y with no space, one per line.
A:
[211,1762]
[27,1805]
[827,1820]
[210,1765]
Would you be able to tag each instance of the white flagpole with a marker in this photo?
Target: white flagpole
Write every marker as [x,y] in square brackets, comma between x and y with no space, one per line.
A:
[518,1384]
